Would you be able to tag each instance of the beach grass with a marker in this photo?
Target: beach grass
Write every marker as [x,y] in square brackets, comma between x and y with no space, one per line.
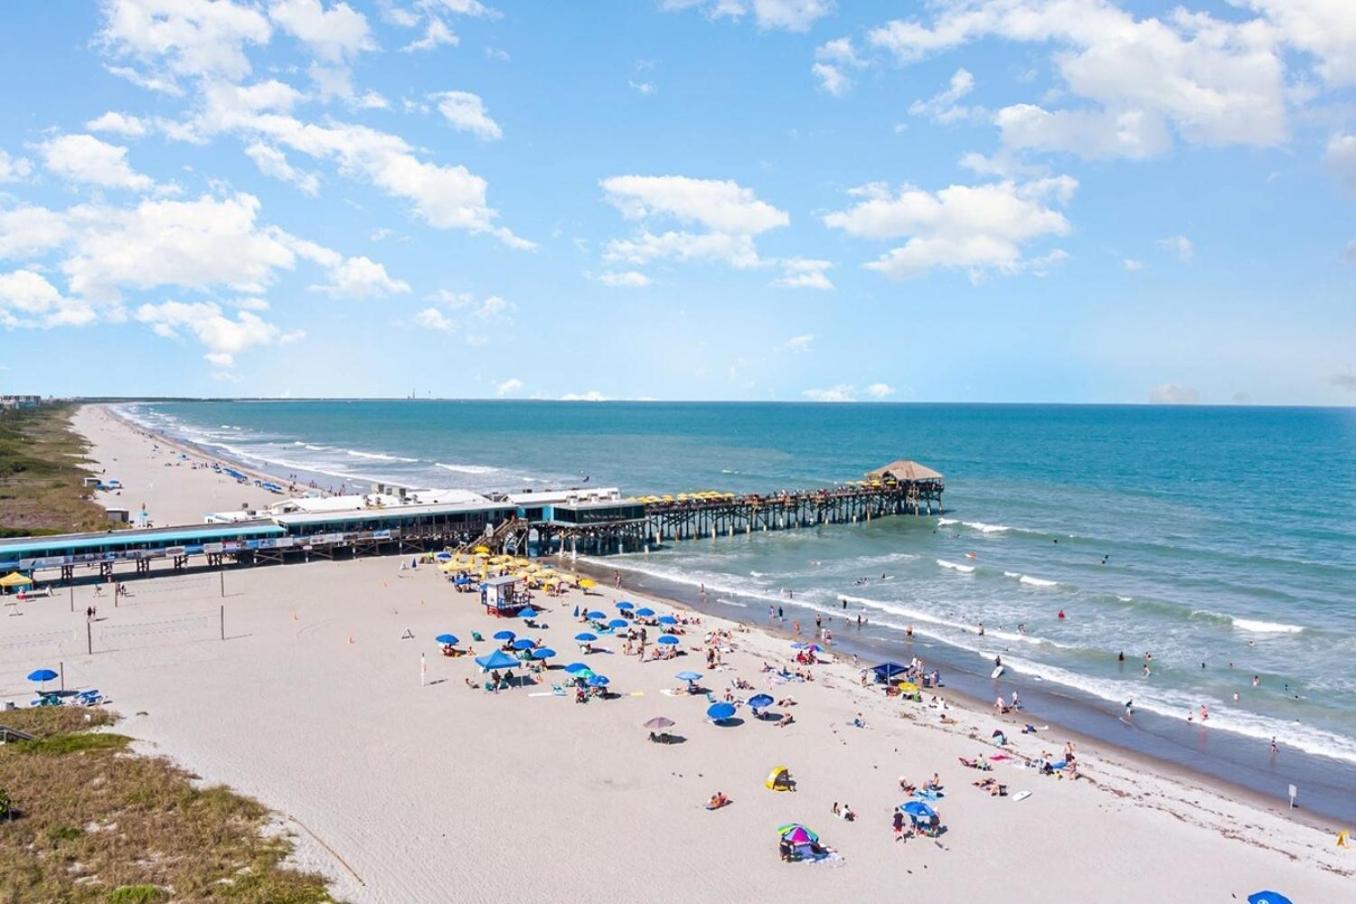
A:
[93,821]
[40,474]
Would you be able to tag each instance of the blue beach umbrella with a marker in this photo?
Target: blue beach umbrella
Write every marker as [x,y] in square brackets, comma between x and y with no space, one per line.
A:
[617,623]
[598,681]
[918,808]
[760,701]
[626,604]
[586,637]
[505,635]
[667,620]
[442,556]
[688,676]
[543,653]
[523,644]
[668,640]
[1268,897]
[496,660]
[528,612]
[576,667]
[595,615]
[447,639]
[42,675]
[644,612]
[719,712]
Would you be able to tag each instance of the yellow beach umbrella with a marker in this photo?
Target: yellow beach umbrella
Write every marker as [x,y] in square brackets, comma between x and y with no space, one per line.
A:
[481,550]
[587,583]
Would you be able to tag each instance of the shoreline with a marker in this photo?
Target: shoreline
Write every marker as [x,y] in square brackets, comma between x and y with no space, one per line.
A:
[1158,741]
[421,781]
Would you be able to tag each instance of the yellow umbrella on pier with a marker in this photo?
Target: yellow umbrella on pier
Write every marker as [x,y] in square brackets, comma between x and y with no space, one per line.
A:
[481,550]
[14,579]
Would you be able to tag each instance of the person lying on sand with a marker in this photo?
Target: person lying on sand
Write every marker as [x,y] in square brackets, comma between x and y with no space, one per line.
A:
[907,786]
[785,720]
[717,801]
[786,701]
[992,786]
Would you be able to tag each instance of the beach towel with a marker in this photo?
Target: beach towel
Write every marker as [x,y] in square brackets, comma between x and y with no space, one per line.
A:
[928,794]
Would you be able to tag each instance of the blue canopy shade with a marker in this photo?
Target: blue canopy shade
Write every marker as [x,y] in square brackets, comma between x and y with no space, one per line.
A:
[667,620]
[440,556]
[624,605]
[918,808]
[523,644]
[668,640]
[586,637]
[718,712]
[528,612]
[644,612]
[887,670]
[598,681]
[617,623]
[595,615]
[576,667]
[688,676]
[505,635]
[1268,897]
[42,675]
[758,701]
[447,638]
[496,660]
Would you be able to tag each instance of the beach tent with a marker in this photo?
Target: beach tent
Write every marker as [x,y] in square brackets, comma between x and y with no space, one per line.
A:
[887,670]
[496,660]
[14,579]
[779,779]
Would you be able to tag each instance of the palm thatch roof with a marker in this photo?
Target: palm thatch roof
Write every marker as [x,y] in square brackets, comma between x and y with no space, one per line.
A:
[904,471]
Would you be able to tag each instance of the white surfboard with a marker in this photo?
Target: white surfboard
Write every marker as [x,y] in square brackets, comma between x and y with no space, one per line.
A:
[998,672]
[1021,795]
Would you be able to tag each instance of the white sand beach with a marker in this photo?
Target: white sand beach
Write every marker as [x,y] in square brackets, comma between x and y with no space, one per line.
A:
[410,791]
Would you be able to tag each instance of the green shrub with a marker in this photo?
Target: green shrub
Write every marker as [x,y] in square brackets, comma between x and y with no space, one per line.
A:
[137,894]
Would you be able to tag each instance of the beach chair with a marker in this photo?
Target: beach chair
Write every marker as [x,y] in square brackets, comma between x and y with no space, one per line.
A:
[475,635]
[558,690]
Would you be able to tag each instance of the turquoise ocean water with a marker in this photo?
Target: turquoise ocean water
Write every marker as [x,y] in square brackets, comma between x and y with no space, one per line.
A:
[1221,540]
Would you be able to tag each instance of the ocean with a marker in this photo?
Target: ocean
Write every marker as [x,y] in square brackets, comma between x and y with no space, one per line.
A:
[1221,541]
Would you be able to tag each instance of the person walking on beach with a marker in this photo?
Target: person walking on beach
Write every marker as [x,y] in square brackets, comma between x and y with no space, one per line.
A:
[897,823]
[781,615]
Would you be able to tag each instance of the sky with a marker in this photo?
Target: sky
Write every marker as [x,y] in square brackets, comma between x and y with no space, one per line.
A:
[949,200]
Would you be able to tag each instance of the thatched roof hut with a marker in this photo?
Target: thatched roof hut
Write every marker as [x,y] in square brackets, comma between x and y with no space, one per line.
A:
[904,471]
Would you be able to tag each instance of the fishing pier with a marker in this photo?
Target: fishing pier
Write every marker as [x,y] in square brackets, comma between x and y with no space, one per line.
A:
[635,525]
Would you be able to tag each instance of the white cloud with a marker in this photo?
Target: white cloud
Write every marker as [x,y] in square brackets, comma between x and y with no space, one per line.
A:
[436,34]
[86,159]
[833,61]
[186,37]
[803,273]
[30,231]
[1179,245]
[880,390]
[592,395]
[1324,29]
[466,112]
[224,337]
[495,53]
[12,169]
[625,279]
[788,15]
[1135,134]
[799,343]
[509,387]
[978,228]
[434,319]
[1340,158]
[120,123]
[1132,265]
[491,307]
[1173,394]
[644,88]
[1350,252]
[361,277]
[732,214]
[27,299]
[944,107]
[273,162]
[843,392]
[333,34]
[1215,81]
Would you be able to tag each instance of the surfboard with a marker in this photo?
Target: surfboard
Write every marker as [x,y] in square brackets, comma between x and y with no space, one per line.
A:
[998,672]
[1021,795]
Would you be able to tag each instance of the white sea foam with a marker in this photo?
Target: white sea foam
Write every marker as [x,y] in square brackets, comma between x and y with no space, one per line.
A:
[377,456]
[943,522]
[1265,627]
[986,528]
[467,469]
[1037,582]
[956,566]
[1125,599]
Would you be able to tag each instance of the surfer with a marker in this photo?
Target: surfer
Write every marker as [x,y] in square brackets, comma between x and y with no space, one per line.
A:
[844,602]
[1129,710]
[981,629]
[998,662]
[1120,657]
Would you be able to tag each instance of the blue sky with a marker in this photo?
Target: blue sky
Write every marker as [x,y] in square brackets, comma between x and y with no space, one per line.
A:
[1019,200]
